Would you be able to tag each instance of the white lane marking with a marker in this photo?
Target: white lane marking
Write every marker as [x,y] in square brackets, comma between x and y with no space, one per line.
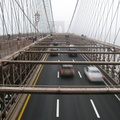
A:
[114,94]
[105,83]
[58,74]
[58,60]
[79,74]
[57,108]
[117,97]
[96,112]
[73,60]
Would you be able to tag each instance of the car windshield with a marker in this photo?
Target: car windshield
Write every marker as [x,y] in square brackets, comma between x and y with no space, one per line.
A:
[73,49]
[94,71]
[67,66]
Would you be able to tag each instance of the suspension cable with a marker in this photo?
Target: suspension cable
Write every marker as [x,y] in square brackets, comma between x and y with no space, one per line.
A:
[26,15]
[102,15]
[46,15]
[73,15]
[116,32]
[107,17]
[3,19]
[112,21]
[52,16]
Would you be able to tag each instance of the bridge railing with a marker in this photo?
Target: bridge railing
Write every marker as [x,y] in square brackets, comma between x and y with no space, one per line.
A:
[17,75]
[19,68]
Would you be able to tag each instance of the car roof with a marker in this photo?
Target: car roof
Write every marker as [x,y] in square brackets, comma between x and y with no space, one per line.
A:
[67,66]
[54,49]
[71,45]
[73,49]
[93,68]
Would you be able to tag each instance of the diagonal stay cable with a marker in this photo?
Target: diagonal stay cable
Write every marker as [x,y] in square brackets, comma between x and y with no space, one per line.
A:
[52,15]
[46,15]
[73,15]
[112,21]
[3,18]
[107,17]
[26,15]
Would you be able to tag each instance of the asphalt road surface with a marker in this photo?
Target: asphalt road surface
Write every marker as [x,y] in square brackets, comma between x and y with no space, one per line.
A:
[70,107]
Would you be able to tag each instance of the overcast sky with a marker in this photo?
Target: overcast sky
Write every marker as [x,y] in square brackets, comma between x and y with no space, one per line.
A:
[63,9]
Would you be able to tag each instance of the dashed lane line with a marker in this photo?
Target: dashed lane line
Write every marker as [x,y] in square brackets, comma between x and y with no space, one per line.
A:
[95,109]
[79,74]
[57,108]
[58,74]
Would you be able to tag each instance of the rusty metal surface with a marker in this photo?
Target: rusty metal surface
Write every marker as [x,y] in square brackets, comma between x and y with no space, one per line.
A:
[16,69]
[60,90]
[60,62]
[78,52]
[70,47]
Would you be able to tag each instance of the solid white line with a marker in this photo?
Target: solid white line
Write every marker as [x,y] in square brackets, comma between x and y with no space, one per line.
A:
[58,74]
[98,116]
[114,94]
[117,97]
[105,83]
[79,74]
[57,108]
[73,60]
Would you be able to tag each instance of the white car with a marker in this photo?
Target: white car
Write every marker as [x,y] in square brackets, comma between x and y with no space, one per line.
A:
[93,74]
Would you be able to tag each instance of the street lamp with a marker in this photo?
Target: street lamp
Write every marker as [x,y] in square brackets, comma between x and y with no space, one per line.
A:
[37,19]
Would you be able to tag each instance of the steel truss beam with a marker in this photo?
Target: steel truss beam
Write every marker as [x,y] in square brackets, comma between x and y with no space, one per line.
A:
[69,47]
[59,90]
[60,62]
[78,52]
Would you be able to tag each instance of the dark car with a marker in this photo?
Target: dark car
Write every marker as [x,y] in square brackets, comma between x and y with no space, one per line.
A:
[72,54]
[54,54]
[67,71]
[55,43]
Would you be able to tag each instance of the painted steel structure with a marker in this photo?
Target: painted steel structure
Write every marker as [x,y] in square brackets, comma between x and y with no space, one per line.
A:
[18,69]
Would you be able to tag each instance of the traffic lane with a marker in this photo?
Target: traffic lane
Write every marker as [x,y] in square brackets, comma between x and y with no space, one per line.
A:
[73,115]
[40,107]
[85,81]
[79,78]
[50,74]
[108,106]
[44,100]
[80,71]
[76,107]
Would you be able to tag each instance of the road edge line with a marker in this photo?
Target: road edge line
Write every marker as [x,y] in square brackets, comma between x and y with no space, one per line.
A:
[29,95]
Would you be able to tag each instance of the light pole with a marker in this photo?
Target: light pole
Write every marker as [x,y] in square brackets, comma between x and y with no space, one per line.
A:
[37,19]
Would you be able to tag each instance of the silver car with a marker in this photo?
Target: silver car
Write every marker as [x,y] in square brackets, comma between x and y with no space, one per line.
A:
[93,74]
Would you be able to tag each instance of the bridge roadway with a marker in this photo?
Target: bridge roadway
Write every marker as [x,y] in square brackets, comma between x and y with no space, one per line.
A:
[69,107]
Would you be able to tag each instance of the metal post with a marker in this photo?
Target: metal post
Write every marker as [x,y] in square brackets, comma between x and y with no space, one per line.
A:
[37,19]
